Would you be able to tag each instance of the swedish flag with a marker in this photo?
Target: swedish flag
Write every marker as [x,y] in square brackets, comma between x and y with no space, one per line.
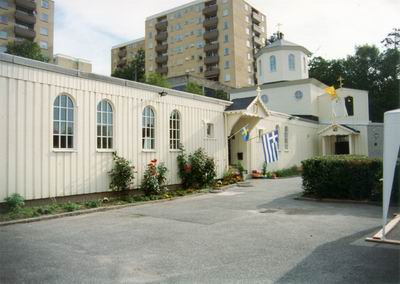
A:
[245,134]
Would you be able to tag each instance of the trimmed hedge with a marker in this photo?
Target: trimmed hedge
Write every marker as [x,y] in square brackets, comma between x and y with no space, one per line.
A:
[343,177]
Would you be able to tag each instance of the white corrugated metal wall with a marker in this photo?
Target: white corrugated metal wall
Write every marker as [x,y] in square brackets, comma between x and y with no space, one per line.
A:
[30,166]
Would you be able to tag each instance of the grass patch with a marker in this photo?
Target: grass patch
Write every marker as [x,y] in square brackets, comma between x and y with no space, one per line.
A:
[25,212]
[290,172]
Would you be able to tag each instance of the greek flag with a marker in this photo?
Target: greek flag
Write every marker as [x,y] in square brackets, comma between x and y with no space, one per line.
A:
[270,146]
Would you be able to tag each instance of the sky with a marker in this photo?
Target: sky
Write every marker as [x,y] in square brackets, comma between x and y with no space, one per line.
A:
[328,28]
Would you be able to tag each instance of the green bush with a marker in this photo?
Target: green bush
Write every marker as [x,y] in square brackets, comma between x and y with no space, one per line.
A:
[241,169]
[121,174]
[15,201]
[154,178]
[70,206]
[48,209]
[290,172]
[93,203]
[196,170]
[264,169]
[342,177]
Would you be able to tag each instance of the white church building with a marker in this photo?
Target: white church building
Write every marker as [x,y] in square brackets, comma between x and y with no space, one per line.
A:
[59,127]
[288,100]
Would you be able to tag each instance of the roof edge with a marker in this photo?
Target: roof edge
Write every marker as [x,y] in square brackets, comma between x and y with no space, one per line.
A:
[128,42]
[280,84]
[7,58]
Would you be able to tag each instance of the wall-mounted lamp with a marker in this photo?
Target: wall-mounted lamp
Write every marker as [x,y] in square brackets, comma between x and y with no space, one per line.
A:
[163,93]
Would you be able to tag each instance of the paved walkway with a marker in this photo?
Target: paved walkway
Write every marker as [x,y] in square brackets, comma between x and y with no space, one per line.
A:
[245,235]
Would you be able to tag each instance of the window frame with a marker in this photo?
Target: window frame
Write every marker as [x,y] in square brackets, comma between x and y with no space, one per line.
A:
[69,106]
[277,127]
[45,6]
[44,29]
[272,63]
[108,111]
[286,138]
[44,17]
[6,4]
[349,105]
[212,132]
[44,45]
[175,129]
[291,62]
[146,129]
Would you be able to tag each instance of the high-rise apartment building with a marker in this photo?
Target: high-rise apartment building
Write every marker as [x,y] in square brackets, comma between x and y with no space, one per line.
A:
[215,39]
[123,53]
[27,20]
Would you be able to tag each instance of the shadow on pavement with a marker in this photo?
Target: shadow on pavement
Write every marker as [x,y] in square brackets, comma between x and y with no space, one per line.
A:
[290,206]
[348,260]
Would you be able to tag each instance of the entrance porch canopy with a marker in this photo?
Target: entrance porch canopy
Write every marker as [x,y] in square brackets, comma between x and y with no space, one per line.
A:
[337,130]
[245,112]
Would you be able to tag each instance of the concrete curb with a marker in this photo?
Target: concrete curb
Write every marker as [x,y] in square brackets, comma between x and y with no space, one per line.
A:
[345,201]
[222,188]
[94,210]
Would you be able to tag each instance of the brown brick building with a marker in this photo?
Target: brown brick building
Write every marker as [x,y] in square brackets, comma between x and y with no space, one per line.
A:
[216,40]
[27,20]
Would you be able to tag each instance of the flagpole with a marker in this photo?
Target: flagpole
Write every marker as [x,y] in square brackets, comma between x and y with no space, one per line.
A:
[230,137]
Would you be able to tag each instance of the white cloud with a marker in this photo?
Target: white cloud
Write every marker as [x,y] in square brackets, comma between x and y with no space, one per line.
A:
[88,29]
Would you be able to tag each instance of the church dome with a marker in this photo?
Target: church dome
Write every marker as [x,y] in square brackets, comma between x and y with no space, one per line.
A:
[282,60]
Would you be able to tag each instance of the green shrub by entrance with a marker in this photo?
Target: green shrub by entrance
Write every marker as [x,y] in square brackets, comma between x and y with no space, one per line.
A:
[343,177]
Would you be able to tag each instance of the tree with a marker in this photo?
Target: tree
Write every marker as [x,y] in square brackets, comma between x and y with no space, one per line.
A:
[194,88]
[222,95]
[392,40]
[156,79]
[27,49]
[368,69]
[135,71]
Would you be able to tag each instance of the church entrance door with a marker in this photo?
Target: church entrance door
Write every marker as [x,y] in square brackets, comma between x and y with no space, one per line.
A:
[342,146]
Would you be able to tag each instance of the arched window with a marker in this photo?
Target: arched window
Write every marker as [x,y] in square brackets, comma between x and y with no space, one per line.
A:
[148,129]
[349,102]
[174,130]
[105,125]
[63,123]
[260,67]
[272,63]
[286,138]
[292,65]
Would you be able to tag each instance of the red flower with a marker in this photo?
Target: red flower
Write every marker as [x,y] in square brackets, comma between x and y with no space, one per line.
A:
[188,168]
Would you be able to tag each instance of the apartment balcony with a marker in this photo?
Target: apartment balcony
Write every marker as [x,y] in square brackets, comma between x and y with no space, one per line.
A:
[162,26]
[258,42]
[25,17]
[122,53]
[25,33]
[210,10]
[211,47]
[257,30]
[211,35]
[162,48]
[27,4]
[162,70]
[211,59]
[256,18]
[162,59]
[163,36]
[213,72]
[211,23]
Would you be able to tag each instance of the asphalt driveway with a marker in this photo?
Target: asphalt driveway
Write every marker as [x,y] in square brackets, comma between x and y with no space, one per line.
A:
[245,235]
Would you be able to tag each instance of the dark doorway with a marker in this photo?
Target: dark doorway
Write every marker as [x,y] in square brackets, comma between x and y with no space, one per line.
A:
[342,145]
